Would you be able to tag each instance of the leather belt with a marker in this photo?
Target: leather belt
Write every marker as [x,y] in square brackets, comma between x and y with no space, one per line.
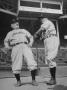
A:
[19,43]
[50,35]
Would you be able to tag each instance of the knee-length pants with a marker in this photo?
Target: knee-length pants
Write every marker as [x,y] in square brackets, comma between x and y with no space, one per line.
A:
[51,45]
[18,52]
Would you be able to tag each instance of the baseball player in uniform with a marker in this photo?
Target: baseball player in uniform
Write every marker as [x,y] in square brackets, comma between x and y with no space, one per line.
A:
[20,42]
[51,44]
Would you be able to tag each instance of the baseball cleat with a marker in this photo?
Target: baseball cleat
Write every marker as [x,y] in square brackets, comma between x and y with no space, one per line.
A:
[18,84]
[34,83]
[51,82]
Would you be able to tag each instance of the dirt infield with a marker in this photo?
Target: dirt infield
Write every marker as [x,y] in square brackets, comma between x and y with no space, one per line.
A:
[7,80]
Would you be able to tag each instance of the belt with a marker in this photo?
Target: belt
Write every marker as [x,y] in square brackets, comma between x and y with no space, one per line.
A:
[50,35]
[18,43]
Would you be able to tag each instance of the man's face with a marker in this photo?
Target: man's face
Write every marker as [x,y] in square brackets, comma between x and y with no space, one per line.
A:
[43,20]
[15,25]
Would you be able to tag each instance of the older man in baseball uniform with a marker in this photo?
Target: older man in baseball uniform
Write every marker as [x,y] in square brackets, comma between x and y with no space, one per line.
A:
[20,41]
[51,44]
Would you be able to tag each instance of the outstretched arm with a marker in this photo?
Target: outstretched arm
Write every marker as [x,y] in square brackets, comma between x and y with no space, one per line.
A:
[38,31]
[38,34]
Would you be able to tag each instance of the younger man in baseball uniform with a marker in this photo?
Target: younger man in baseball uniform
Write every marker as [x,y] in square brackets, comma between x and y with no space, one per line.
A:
[20,41]
[51,44]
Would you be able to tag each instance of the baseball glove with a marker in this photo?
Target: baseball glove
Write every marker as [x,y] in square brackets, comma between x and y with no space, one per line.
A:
[40,35]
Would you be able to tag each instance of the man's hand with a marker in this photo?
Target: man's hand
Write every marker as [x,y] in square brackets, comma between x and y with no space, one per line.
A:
[37,35]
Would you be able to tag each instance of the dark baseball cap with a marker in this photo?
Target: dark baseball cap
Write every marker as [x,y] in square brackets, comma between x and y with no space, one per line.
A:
[15,20]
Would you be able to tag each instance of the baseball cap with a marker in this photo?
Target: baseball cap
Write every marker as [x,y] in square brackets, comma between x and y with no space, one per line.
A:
[15,20]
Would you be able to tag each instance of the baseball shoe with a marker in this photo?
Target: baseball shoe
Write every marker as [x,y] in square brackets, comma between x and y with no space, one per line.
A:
[18,84]
[34,83]
[51,82]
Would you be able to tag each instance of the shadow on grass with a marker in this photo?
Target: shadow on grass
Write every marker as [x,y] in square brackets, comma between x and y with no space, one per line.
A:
[59,87]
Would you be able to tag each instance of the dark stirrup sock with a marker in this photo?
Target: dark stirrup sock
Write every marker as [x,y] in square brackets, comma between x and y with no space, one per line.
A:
[17,76]
[53,72]
[33,74]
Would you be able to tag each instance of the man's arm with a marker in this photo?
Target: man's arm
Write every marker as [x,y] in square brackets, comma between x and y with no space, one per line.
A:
[31,41]
[29,38]
[38,34]
[6,41]
[6,44]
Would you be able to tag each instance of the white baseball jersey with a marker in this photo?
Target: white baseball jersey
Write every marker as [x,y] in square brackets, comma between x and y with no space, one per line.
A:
[18,36]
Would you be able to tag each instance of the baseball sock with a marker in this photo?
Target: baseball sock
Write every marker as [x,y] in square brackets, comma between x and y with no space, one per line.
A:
[53,72]
[33,73]
[17,76]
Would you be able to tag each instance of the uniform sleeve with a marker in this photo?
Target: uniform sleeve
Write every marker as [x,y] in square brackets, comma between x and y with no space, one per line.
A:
[45,25]
[30,38]
[6,40]
[31,41]
[48,25]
